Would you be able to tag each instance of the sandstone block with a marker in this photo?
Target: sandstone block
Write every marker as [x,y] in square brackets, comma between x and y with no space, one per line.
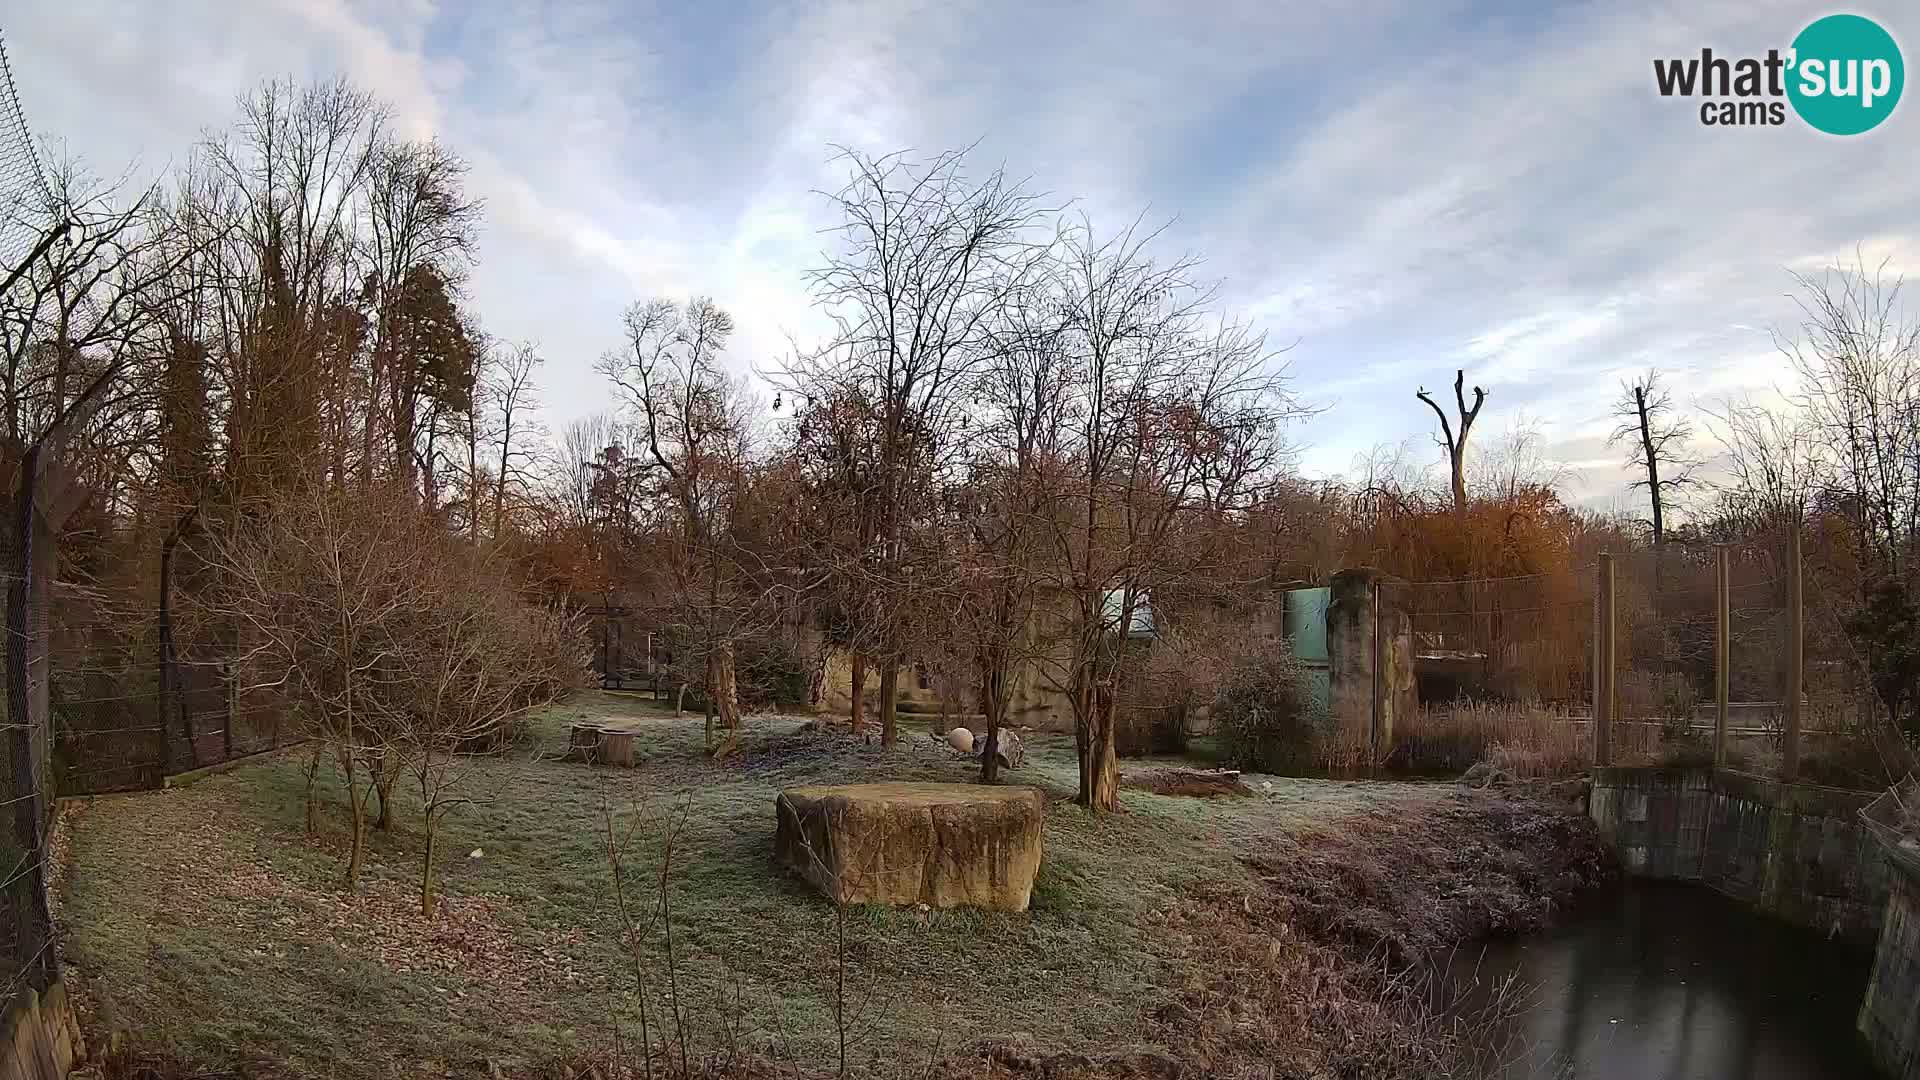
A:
[942,845]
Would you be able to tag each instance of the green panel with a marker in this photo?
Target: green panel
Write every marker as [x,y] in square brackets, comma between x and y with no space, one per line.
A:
[1306,622]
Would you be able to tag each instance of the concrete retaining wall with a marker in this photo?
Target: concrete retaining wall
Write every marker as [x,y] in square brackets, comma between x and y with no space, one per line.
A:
[42,1039]
[1890,1016]
[1798,852]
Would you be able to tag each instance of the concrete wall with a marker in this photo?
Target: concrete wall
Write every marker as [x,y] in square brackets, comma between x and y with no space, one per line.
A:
[1890,1015]
[1798,852]
[1350,655]
[42,1039]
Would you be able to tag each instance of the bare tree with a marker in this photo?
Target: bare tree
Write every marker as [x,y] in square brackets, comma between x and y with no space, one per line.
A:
[927,256]
[693,430]
[1456,444]
[1857,357]
[1169,419]
[329,589]
[1773,460]
[1657,439]
[396,647]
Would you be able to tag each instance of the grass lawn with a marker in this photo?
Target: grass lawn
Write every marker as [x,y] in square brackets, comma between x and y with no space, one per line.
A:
[207,925]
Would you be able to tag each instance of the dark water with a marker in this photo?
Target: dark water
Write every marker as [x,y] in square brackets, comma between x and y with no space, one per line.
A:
[1676,982]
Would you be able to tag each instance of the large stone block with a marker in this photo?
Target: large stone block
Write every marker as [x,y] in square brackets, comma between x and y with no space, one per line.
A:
[943,845]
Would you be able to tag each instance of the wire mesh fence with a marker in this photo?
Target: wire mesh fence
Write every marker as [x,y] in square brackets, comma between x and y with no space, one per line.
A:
[1505,667]
[119,719]
[23,186]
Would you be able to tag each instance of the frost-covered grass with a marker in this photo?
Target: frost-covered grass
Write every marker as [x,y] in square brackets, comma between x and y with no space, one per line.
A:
[205,923]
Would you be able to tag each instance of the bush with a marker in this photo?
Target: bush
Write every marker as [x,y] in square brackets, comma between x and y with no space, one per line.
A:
[1847,761]
[1140,730]
[1264,716]
[770,672]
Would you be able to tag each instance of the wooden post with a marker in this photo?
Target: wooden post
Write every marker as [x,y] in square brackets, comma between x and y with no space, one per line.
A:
[1722,650]
[1796,674]
[1604,658]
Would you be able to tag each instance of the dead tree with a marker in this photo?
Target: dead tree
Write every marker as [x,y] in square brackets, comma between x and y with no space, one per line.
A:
[1456,445]
[1656,439]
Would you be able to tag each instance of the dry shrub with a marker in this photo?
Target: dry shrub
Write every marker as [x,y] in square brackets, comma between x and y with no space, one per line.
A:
[1177,679]
[1529,740]
[1324,969]
[1478,863]
[1265,718]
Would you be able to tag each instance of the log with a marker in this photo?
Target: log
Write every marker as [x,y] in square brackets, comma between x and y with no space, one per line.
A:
[1199,783]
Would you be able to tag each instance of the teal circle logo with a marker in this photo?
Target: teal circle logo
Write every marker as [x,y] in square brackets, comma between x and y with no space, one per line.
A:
[1846,74]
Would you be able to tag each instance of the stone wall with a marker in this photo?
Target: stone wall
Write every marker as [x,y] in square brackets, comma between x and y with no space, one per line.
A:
[42,1037]
[1798,852]
[1890,1015]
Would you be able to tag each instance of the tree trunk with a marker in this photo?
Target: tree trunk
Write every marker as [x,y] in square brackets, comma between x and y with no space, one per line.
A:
[1457,467]
[385,771]
[723,695]
[679,701]
[993,703]
[857,717]
[357,815]
[1099,765]
[889,702]
[426,869]
[313,775]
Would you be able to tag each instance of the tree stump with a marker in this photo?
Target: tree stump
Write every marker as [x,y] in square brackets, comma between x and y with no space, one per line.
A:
[616,748]
[942,845]
[583,742]
[601,744]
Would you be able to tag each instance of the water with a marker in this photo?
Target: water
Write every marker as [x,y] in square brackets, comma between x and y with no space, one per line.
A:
[1676,982]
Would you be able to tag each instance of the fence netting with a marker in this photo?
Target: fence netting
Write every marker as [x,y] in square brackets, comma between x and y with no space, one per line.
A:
[1505,665]
[117,722]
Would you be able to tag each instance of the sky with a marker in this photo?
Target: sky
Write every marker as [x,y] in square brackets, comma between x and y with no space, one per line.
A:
[1391,190]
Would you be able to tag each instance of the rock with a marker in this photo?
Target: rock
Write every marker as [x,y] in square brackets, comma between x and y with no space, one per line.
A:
[961,739]
[1010,750]
[942,845]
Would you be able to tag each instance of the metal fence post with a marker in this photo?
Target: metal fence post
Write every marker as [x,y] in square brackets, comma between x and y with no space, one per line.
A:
[1605,656]
[1796,666]
[1722,650]
[32,927]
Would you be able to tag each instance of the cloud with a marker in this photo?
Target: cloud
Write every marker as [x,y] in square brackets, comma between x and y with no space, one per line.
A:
[1403,188]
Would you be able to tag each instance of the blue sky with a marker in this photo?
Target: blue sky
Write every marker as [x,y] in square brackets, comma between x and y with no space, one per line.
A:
[1400,188]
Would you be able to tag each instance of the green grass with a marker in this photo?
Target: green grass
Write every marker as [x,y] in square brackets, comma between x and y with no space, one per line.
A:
[206,924]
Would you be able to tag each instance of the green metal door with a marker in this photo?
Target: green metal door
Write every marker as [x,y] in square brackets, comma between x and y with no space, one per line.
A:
[1305,624]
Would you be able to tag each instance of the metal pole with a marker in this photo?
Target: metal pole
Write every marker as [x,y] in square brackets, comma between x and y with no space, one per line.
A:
[30,936]
[1722,650]
[1796,673]
[1379,680]
[1605,655]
